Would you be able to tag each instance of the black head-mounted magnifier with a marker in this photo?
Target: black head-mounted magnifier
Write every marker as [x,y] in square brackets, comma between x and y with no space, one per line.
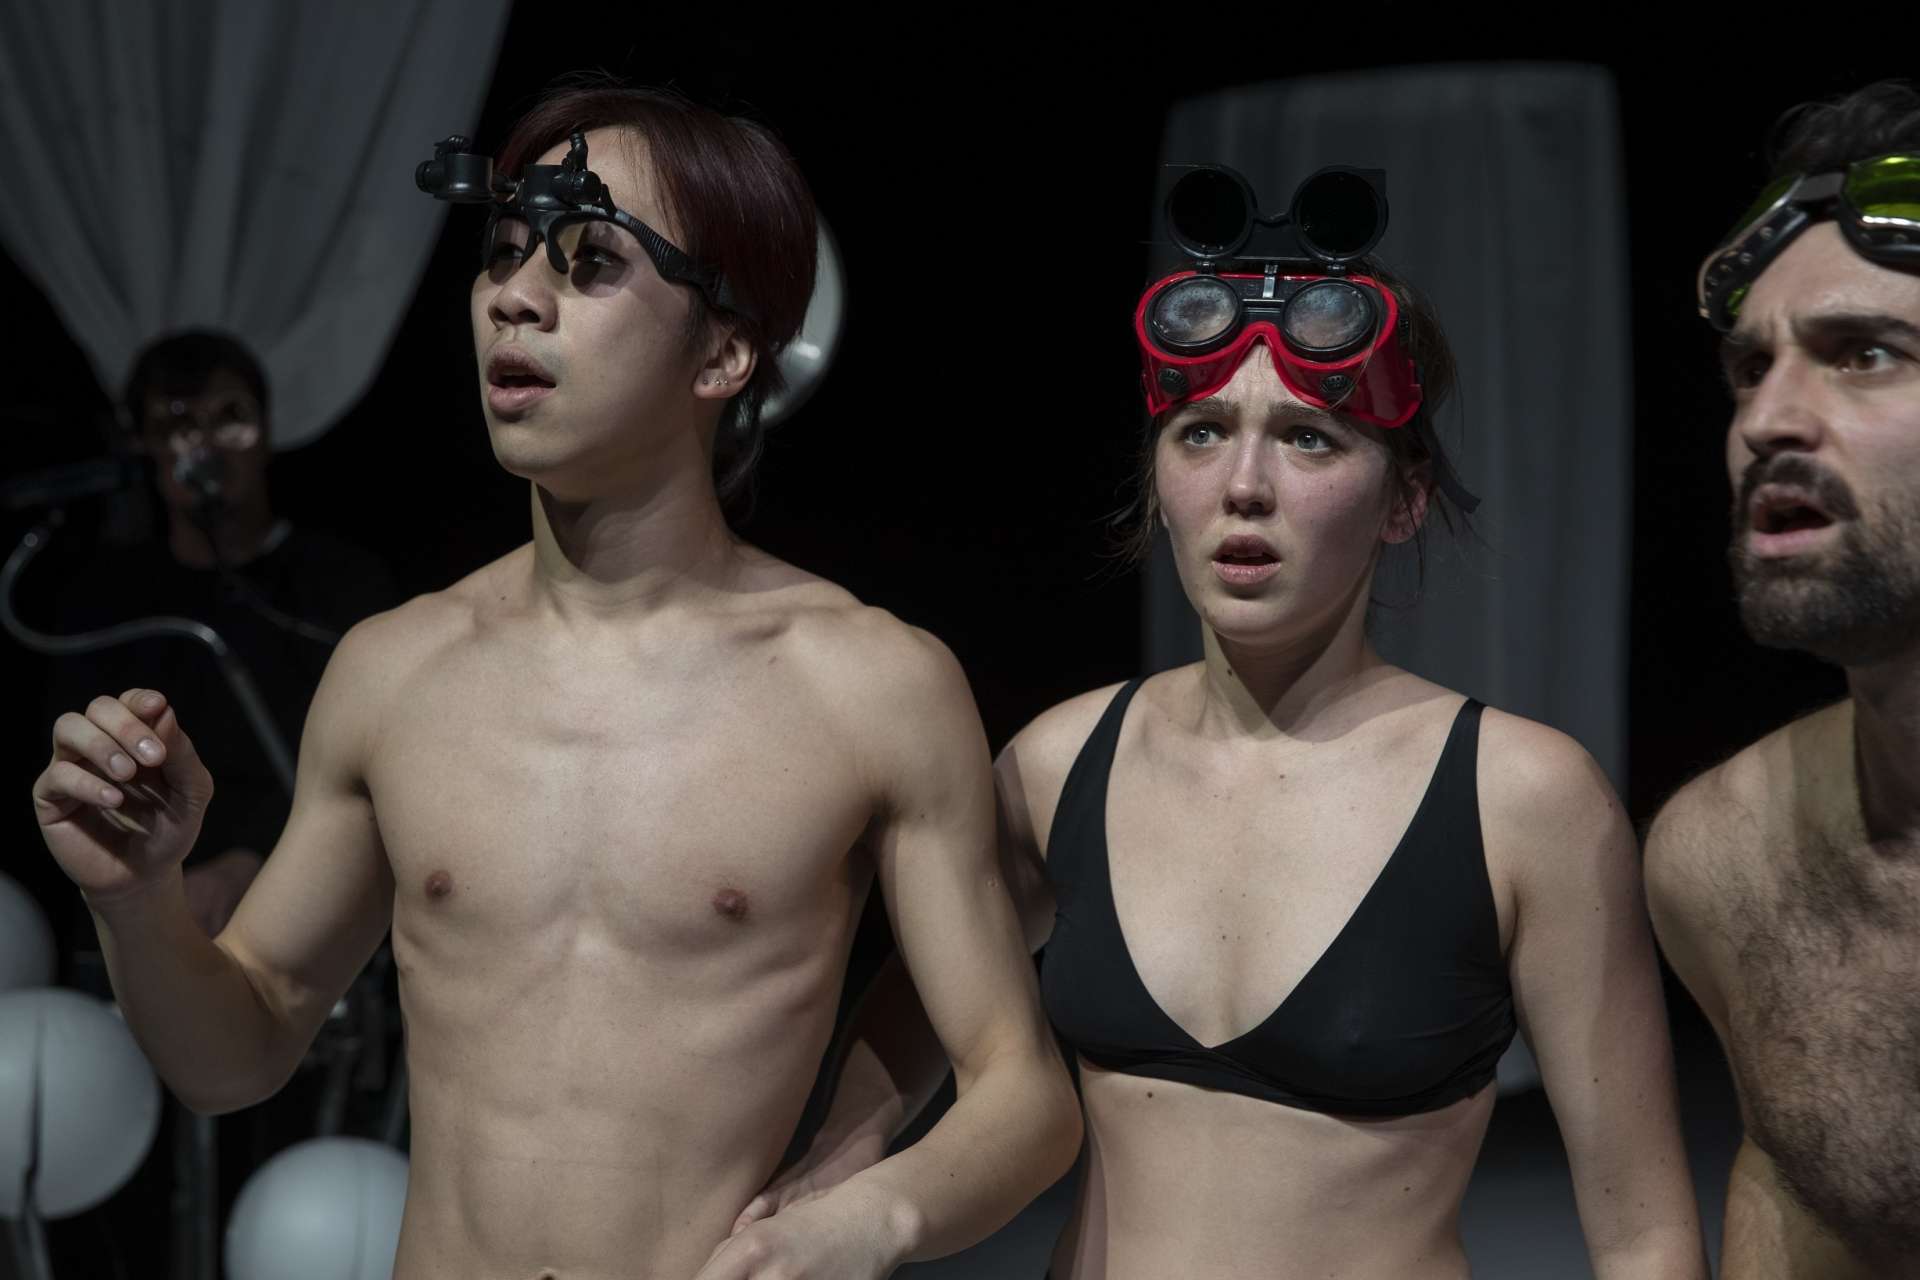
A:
[553,204]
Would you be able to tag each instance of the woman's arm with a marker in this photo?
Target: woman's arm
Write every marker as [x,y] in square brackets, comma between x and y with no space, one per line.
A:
[1587,987]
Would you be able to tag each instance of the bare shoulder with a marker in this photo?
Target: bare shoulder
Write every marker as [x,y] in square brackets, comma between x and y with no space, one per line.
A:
[1556,836]
[374,663]
[1704,850]
[865,658]
[1704,832]
[389,647]
[889,693]
[1047,746]
[1539,784]
[1033,767]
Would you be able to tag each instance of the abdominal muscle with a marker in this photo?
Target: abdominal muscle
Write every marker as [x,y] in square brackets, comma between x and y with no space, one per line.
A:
[605,1117]
[1207,1185]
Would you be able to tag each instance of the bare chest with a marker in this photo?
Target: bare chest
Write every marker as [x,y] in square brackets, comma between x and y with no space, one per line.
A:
[1827,948]
[1824,1033]
[647,813]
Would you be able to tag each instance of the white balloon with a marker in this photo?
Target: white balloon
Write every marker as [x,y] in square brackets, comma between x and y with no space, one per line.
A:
[26,940]
[325,1209]
[70,1069]
[806,358]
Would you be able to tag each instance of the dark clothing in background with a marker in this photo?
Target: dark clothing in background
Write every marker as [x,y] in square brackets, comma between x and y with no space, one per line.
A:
[309,575]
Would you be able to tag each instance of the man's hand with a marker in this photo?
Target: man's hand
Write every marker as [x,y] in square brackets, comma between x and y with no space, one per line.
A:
[120,802]
[825,1166]
[846,1235]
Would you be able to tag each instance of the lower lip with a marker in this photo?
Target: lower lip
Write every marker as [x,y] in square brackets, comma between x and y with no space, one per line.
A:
[1776,546]
[514,399]
[1235,574]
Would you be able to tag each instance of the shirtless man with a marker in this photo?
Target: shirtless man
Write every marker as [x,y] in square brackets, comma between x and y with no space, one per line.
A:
[1785,884]
[620,796]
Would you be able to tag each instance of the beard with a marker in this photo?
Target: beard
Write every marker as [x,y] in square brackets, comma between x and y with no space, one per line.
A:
[1852,603]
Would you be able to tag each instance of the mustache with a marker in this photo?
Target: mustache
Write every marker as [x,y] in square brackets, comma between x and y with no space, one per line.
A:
[1799,471]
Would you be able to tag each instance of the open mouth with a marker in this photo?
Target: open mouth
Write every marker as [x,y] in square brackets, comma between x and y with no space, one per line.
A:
[519,380]
[1782,510]
[1245,550]
[513,369]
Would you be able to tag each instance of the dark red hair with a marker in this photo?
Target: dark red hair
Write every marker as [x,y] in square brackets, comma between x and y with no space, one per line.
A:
[737,201]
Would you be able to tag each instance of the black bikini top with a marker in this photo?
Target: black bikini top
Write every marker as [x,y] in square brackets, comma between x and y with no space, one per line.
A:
[1408,1009]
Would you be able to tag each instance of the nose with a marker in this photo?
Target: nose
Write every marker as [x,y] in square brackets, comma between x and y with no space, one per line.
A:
[1784,413]
[1249,487]
[527,297]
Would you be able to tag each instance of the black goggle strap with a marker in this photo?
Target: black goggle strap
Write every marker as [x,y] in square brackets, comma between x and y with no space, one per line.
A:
[1759,238]
[1746,251]
[673,263]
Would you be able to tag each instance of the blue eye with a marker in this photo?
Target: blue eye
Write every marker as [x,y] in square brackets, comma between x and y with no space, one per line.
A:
[1197,432]
[1311,440]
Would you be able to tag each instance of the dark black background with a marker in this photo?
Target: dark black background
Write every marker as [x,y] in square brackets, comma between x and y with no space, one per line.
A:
[980,185]
[991,193]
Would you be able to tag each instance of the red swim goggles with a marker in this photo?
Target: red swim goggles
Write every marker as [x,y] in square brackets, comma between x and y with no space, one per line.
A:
[1335,338]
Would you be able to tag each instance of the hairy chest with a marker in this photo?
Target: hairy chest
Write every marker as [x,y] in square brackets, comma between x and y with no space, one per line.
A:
[1823,1024]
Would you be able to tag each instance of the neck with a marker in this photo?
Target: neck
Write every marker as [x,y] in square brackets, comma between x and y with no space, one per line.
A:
[642,549]
[1283,687]
[238,535]
[1886,735]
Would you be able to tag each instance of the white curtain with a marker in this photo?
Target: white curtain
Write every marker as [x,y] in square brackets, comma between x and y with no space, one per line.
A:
[244,165]
[1507,209]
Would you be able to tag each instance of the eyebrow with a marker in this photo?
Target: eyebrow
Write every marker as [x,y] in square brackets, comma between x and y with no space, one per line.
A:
[1297,412]
[1821,329]
[1854,324]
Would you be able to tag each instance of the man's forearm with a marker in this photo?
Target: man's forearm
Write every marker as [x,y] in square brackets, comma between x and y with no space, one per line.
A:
[1011,1133]
[892,1067]
[198,1018]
